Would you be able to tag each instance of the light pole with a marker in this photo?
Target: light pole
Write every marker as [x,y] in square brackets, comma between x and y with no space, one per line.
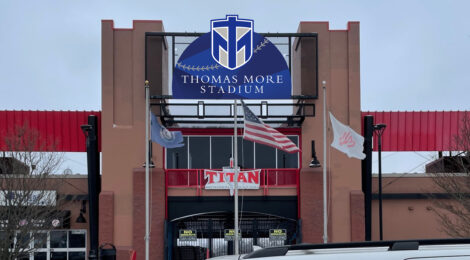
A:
[378,130]
[94,183]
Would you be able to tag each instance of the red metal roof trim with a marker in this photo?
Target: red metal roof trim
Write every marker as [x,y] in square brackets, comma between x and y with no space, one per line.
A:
[59,130]
[406,131]
[419,131]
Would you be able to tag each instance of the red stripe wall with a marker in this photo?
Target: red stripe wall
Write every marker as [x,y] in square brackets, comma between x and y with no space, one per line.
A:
[59,130]
[419,131]
[406,131]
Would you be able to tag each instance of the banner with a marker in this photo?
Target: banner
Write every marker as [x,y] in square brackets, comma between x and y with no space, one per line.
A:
[224,180]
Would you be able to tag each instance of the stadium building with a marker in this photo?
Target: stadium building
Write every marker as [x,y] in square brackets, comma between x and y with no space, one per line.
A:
[289,195]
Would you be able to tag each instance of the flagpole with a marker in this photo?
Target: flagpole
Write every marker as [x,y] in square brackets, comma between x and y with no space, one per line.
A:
[147,172]
[235,162]
[325,201]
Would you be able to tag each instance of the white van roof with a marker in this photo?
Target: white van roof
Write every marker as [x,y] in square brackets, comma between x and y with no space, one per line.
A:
[451,249]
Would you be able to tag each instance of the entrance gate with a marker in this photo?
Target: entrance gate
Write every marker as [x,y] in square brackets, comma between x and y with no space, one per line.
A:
[210,228]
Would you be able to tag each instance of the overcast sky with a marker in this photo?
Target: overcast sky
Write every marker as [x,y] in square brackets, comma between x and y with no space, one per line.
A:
[415,55]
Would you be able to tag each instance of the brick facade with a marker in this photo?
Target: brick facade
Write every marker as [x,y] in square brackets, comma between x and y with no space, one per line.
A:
[106,219]
[157,212]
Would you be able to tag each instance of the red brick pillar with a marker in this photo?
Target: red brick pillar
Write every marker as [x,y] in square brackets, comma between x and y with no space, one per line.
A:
[311,205]
[106,219]
[357,216]
[157,211]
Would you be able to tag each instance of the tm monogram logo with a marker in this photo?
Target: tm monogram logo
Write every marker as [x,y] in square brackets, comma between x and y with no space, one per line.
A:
[232,41]
[346,139]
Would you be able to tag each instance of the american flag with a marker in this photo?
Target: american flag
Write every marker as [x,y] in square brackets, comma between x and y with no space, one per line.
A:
[259,132]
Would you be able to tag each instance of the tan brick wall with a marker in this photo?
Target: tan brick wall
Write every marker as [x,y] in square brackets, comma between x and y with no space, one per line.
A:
[123,118]
[338,65]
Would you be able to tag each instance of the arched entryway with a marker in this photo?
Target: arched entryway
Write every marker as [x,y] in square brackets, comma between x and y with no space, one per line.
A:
[210,228]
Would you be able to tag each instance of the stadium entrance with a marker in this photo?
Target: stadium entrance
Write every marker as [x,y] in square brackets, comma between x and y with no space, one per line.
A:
[211,234]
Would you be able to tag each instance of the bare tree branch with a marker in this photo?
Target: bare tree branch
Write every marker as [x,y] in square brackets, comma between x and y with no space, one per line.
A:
[454,180]
[29,203]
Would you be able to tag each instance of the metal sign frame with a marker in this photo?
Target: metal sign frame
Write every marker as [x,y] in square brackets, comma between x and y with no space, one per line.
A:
[301,105]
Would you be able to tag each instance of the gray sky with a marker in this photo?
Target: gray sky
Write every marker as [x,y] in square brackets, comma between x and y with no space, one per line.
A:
[415,54]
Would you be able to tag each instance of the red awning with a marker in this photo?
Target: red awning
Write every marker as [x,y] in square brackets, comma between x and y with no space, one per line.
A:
[419,131]
[59,127]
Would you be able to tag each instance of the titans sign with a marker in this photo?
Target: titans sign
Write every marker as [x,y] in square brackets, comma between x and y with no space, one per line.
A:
[232,41]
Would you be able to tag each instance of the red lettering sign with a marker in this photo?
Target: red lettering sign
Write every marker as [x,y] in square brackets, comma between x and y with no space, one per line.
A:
[225,179]
[253,177]
[211,175]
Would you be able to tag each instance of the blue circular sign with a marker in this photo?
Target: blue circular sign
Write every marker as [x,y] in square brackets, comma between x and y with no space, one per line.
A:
[258,73]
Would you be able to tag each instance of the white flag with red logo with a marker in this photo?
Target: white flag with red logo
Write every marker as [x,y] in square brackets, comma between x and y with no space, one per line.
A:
[346,140]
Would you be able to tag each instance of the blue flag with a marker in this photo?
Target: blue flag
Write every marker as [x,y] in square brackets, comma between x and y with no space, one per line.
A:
[163,137]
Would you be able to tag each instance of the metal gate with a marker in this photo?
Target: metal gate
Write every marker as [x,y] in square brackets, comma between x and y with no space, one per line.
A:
[210,229]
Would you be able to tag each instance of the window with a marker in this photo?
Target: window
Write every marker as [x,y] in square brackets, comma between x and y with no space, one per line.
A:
[59,239]
[221,151]
[288,160]
[76,255]
[265,156]
[76,239]
[23,256]
[4,238]
[40,240]
[246,153]
[23,240]
[199,152]
[58,256]
[40,256]
[177,158]
[57,245]
[214,152]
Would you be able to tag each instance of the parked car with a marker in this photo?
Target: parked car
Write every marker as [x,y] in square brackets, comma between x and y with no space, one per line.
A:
[447,249]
